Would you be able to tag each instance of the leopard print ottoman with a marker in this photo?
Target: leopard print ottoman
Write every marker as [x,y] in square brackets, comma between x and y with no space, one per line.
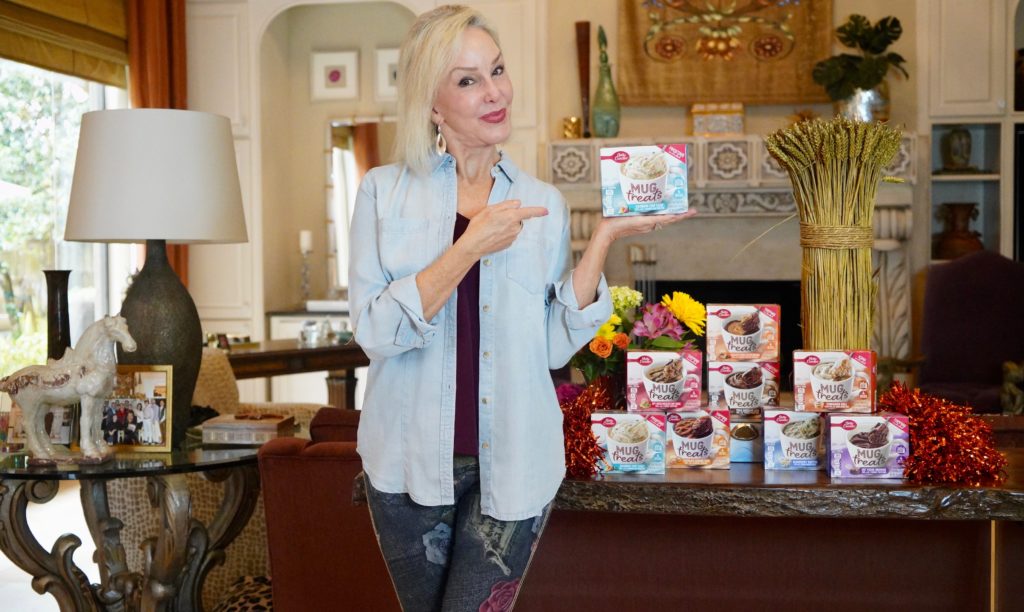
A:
[248,594]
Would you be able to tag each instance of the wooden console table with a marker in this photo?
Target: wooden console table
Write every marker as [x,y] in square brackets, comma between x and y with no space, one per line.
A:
[278,357]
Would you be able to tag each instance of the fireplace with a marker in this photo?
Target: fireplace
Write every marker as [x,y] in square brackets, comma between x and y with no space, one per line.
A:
[785,293]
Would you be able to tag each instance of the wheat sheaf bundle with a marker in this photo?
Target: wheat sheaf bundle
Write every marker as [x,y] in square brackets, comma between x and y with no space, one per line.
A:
[835,166]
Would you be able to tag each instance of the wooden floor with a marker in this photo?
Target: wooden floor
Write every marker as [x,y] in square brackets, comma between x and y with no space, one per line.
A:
[48,521]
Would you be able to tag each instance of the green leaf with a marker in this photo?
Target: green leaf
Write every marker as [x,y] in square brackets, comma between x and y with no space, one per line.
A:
[855,31]
[885,32]
[871,72]
[896,61]
[664,342]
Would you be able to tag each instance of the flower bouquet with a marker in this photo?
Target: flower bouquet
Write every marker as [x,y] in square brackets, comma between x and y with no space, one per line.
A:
[674,323]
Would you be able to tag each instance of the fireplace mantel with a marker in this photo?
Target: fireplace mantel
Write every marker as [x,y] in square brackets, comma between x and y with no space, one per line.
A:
[736,178]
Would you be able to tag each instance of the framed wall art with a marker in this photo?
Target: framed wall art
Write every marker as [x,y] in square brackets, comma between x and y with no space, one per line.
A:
[387,74]
[137,415]
[334,75]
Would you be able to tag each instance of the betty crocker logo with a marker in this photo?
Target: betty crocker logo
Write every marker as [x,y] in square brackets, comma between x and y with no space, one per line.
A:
[620,157]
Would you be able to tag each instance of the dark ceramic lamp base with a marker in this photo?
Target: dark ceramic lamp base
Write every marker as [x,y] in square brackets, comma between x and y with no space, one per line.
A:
[165,324]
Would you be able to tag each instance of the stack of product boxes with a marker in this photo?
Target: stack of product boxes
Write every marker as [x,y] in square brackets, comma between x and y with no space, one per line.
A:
[743,371]
[834,407]
[832,423]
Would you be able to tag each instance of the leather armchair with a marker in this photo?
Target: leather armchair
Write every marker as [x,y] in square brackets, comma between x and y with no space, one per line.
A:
[973,322]
[323,551]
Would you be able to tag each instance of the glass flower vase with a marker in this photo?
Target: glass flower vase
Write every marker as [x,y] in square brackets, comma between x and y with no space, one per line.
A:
[606,106]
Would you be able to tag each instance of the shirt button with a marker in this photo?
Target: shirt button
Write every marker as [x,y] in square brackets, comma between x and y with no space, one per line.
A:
[487,307]
[487,354]
[487,261]
[483,400]
[485,446]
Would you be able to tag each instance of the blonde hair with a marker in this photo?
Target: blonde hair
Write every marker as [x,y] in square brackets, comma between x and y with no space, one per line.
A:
[427,51]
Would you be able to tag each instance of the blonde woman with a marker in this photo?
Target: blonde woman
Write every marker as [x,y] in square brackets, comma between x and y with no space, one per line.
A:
[462,295]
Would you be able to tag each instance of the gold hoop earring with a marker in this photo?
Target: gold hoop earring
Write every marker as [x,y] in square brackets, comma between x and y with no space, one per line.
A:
[440,144]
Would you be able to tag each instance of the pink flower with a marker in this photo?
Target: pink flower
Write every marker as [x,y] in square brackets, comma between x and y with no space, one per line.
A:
[658,321]
[502,596]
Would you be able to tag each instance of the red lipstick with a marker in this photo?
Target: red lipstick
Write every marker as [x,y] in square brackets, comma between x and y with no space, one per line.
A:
[496,117]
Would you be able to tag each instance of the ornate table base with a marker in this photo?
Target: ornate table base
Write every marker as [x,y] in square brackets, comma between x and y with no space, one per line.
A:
[177,559]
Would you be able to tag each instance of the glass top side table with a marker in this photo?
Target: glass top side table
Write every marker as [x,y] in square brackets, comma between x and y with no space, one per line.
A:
[178,558]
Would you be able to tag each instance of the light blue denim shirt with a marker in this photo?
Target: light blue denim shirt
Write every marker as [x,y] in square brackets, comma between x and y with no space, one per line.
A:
[529,322]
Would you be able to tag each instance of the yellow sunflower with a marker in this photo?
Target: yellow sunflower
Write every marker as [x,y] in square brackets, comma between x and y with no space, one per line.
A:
[688,310]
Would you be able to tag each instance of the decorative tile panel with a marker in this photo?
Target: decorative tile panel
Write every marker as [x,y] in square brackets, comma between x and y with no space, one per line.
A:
[572,164]
[728,161]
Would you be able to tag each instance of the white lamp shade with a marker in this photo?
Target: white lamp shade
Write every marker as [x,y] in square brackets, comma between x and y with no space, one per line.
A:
[155,174]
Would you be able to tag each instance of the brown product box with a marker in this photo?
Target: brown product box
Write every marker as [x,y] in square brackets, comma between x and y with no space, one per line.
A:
[834,381]
[697,439]
[743,332]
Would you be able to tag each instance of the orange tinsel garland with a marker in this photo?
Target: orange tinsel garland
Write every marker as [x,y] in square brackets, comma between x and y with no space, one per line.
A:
[581,450]
[948,444]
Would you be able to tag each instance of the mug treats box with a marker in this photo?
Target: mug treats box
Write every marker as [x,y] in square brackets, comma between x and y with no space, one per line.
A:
[743,388]
[834,381]
[868,445]
[644,180]
[794,440]
[663,380]
[746,440]
[631,442]
[698,439]
[743,332]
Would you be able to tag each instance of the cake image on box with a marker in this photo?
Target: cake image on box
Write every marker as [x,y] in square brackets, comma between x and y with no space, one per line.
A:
[794,440]
[868,445]
[834,381]
[743,388]
[631,442]
[663,380]
[743,332]
[644,180]
[746,440]
[698,439]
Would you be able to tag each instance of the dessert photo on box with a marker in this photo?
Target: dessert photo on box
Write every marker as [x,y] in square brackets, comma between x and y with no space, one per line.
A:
[793,440]
[868,445]
[743,332]
[663,380]
[744,388]
[630,442]
[834,381]
[698,439]
[644,180]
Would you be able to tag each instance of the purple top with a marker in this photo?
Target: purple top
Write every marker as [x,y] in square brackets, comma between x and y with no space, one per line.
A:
[467,355]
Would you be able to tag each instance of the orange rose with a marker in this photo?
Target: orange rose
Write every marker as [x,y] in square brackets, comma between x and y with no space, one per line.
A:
[602,347]
[621,340]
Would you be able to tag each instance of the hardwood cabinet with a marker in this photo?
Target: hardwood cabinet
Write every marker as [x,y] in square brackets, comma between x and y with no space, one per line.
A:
[967,57]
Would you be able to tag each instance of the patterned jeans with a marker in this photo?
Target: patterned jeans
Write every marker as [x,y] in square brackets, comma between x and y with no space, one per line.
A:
[453,558]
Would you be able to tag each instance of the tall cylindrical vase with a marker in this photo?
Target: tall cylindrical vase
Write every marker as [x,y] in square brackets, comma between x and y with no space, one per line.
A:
[58,326]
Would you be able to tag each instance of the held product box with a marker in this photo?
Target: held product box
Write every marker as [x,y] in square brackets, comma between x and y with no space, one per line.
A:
[663,380]
[631,442]
[698,439]
[868,445]
[834,381]
[644,180]
[746,441]
[743,387]
[743,332]
[793,440]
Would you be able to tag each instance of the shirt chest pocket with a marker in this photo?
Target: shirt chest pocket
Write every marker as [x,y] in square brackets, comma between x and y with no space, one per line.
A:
[405,245]
[527,262]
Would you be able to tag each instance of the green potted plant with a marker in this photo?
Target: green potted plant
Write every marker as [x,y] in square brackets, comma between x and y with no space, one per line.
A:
[858,80]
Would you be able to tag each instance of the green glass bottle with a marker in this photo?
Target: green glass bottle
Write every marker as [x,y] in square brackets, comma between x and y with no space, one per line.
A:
[606,101]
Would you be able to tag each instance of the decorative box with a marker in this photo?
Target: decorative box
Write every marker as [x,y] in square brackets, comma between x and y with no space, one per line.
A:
[724,119]
[663,380]
[834,381]
[743,332]
[229,429]
[631,442]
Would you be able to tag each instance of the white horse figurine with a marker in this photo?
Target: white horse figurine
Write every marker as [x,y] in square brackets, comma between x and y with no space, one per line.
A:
[84,374]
